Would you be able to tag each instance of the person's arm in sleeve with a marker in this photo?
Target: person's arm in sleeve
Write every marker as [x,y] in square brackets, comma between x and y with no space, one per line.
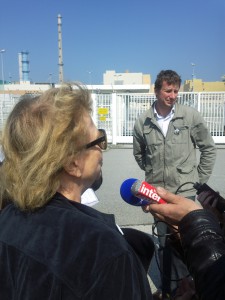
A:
[204,249]
[202,240]
[139,147]
[207,148]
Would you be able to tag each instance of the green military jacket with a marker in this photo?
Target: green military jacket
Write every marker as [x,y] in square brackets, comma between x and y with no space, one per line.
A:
[171,161]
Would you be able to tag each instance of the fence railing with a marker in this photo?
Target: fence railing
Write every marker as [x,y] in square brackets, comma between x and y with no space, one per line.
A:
[116,113]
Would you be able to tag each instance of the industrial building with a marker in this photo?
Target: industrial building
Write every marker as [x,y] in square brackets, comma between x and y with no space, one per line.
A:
[113,78]
[197,85]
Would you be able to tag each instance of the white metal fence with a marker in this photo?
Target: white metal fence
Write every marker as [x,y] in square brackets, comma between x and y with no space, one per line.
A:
[116,113]
[7,102]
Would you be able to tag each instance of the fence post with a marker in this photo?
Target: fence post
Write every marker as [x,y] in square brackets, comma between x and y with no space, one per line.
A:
[95,119]
[199,101]
[114,118]
[2,100]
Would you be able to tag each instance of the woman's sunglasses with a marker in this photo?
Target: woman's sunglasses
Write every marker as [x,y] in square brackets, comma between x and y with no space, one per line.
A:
[101,141]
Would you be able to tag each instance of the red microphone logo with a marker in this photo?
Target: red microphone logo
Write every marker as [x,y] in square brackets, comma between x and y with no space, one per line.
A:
[146,191]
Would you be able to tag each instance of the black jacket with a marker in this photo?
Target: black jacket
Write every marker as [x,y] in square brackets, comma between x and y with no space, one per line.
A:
[67,250]
[204,249]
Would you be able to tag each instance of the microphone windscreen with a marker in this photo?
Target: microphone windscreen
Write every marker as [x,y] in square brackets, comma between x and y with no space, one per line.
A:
[127,196]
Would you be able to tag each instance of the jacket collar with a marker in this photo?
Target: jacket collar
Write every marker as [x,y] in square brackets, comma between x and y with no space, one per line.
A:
[179,112]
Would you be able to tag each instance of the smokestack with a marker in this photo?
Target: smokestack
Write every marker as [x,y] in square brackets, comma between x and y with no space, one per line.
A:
[24,69]
[20,66]
[60,49]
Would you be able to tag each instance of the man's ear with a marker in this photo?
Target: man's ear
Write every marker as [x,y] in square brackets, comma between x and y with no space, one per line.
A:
[72,167]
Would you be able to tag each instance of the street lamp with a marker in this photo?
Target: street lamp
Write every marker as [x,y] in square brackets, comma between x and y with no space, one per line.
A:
[90,78]
[193,75]
[50,78]
[3,80]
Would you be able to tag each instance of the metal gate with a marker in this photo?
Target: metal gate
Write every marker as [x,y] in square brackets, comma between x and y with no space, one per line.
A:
[117,112]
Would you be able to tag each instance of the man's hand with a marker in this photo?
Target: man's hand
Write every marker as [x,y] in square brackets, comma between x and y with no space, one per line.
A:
[175,209]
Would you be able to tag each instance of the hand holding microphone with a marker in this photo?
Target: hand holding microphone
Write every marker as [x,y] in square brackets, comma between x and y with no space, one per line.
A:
[139,193]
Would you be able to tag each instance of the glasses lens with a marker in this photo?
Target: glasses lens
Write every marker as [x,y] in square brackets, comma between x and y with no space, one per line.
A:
[103,143]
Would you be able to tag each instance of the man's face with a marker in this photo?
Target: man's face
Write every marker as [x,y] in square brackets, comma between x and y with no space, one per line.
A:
[167,96]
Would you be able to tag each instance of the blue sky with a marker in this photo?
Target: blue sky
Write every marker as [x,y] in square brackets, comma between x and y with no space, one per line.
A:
[98,35]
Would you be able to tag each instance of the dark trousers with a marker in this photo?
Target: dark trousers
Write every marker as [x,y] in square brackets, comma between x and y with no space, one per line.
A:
[171,260]
[172,266]
[142,244]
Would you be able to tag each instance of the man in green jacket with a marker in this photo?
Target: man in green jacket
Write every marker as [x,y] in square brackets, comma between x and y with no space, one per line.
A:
[165,140]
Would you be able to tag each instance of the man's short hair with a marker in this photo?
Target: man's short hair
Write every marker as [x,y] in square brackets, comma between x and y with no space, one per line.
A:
[170,76]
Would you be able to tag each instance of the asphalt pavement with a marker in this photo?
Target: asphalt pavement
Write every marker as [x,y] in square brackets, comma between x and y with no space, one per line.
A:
[119,165]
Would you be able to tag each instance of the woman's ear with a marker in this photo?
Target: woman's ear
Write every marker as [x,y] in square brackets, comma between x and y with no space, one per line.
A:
[72,167]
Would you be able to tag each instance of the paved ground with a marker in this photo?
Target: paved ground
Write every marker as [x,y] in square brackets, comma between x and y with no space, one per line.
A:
[118,165]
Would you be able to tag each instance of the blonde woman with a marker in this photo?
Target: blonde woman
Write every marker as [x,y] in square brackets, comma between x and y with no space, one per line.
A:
[51,245]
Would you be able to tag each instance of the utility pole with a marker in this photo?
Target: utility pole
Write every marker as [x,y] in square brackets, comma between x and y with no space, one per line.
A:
[193,75]
[2,67]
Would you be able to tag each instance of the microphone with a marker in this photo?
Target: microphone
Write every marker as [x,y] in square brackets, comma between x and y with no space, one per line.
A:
[139,193]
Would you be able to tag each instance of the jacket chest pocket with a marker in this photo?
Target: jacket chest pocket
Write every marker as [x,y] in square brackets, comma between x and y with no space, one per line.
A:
[153,137]
[180,134]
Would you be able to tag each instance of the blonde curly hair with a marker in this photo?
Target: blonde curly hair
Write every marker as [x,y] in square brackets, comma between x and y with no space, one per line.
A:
[40,136]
